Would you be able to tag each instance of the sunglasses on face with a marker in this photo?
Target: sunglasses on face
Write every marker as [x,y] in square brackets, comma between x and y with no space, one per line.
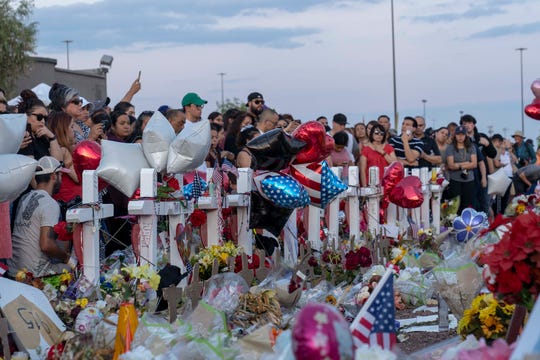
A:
[258,102]
[376,132]
[40,117]
[198,106]
[76,101]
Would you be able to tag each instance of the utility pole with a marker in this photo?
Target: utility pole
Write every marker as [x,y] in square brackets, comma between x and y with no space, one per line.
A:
[521,49]
[222,74]
[67,50]
[394,66]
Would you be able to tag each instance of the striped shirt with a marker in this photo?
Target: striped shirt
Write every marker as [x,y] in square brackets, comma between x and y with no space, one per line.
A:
[414,144]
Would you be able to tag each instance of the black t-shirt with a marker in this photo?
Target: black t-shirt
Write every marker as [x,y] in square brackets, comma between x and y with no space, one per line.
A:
[430,148]
[38,148]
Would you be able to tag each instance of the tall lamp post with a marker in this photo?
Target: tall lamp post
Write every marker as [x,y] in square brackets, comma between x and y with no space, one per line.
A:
[222,74]
[394,66]
[521,49]
[424,101]
[67,50]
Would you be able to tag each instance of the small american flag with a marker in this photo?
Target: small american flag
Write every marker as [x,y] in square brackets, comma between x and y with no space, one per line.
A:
[375,323]
[197,186]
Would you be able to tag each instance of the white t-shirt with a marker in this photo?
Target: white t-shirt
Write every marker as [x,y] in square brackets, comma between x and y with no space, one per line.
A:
[36,209]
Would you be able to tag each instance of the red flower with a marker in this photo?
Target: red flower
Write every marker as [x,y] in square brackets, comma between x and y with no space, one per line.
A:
[62,231]
[507,283]
[352,260]
[523,271]
[172,182]
[365,256]
[197,217]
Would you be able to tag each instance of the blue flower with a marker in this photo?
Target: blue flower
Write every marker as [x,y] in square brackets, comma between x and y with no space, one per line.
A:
[469,223]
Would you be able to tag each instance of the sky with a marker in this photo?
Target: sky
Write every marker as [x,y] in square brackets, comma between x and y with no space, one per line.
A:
[309,57]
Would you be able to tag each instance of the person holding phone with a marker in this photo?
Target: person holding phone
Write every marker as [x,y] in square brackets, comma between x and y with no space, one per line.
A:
[39,140]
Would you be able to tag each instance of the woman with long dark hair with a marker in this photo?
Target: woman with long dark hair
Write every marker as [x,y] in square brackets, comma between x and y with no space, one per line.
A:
[461,161]
[40,140]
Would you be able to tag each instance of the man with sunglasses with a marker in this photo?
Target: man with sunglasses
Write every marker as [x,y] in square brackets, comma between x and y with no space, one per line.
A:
[193,105]
[33,237]
[255,104]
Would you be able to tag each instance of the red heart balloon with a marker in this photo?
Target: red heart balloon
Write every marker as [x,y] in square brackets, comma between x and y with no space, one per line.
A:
[393,174]
[533,111]
[408,193]
[314,135]
[86,156]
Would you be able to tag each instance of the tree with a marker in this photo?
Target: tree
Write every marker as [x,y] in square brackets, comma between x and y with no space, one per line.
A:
[17,40]
[235,103]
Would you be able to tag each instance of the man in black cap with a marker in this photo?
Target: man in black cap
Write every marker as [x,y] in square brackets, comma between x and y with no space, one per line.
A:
[255,104]
[339,123]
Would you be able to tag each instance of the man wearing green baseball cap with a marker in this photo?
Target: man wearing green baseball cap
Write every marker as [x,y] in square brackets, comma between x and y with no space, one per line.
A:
[193,105]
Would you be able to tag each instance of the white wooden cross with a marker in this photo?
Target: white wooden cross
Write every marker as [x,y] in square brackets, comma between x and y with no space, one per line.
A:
[241,200]
[354,206]
[333,215]
[373,193]
[436,191]
[209,203]
[89,214]
[144,208]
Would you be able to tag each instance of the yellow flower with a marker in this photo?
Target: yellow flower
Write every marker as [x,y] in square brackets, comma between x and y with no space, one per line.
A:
[82,302]
[65,276]
[154,281]
[330,299]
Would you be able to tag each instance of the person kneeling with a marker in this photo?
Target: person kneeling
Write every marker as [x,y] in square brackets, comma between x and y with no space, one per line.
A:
[34,240]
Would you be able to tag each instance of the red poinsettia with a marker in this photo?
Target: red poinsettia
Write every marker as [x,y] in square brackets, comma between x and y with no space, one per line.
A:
[358,258]
[197,217]
[63,231]
[512,265]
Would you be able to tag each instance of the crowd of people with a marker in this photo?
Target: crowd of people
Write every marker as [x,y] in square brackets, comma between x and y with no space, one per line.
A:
[465,155]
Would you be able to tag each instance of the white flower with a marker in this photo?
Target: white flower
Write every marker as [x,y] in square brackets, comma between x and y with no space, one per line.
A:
[396,252]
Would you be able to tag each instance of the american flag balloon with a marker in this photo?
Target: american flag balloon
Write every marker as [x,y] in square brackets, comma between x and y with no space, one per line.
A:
[319,181]
[284,191]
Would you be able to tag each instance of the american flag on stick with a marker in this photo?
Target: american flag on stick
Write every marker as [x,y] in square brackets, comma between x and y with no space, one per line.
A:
[375,323]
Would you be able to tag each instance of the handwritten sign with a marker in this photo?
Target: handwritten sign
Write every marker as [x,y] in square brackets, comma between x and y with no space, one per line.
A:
[31,316]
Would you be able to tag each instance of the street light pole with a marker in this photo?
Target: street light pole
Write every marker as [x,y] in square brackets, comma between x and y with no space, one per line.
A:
[394,66]
[67,50]
[222,74]
[424,101]
[521,49]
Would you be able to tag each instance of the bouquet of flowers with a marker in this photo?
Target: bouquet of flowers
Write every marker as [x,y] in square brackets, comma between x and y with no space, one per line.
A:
[449,209]
[522,203]
[487,318]
[512,266]
[337,266]
[458,280]
[131,284]
[205,258]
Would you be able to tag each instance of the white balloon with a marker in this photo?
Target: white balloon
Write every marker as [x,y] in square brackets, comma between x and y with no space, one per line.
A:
[12,129]
[188,151]
[157,136]
[16,172]
[498,182]
[42,92]
[121,165]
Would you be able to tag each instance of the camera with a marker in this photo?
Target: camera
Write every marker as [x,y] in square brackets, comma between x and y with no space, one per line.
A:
[102,118]
[464,174]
